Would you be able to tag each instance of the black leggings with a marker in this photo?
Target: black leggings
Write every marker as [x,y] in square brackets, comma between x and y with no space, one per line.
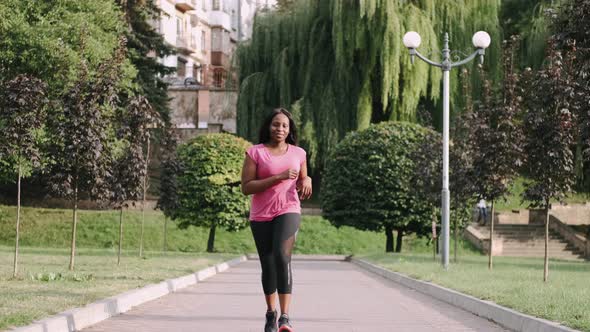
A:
[274,242]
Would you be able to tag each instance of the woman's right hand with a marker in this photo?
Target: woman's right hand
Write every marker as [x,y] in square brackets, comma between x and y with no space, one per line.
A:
[288,174]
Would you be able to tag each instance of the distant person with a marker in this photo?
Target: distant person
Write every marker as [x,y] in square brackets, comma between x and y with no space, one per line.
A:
[483,212]
[274,171]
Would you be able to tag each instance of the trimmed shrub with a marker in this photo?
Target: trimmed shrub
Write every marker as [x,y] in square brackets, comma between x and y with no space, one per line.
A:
[368,181]
[209,184]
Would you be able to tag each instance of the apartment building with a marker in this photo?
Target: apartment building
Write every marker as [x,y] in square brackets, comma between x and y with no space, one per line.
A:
[205,34]
[184,25]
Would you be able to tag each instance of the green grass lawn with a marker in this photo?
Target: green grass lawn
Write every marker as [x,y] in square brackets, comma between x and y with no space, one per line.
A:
[45,286]
[514,282]
[51,228]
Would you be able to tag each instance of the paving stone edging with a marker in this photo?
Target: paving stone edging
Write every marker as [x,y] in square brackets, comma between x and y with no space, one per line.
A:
[503,316]
[79,318]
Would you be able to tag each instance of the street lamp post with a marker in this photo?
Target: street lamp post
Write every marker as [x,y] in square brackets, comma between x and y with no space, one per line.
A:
[481,40]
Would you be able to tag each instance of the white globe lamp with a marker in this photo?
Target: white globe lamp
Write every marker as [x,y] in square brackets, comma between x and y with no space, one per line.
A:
[481,39]
[412,39]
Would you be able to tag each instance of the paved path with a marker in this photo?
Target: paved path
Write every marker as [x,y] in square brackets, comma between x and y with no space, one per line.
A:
[328,296]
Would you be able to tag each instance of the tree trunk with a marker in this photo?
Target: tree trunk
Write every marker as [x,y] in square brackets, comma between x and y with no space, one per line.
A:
[388,239]
[141,236]
[490,255]
[120,236]
[211,241]
[546,265]
[434,245]
[579,164]
[434,236]
[165,233]
[398,241]
[456,238]
[75,218]
[147,161]
[15,270]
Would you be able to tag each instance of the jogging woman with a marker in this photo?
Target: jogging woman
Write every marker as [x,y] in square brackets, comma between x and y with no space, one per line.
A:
[275,172]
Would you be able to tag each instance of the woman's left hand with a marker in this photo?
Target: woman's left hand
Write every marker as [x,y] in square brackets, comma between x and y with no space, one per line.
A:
[304,188]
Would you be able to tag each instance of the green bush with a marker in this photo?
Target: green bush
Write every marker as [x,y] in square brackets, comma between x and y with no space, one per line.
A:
[209,184]
[367,182]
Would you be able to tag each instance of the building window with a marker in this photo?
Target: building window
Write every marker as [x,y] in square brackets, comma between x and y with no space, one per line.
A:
[234,20]
[203,41]
[216,5]
[194,42]
[218,78]
[204,5]
[197,74]
[225,42]
[179,26]
[181,68]
[216,41]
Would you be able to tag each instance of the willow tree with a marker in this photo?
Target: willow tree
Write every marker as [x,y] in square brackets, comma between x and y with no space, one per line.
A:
[532,20]
[341,65]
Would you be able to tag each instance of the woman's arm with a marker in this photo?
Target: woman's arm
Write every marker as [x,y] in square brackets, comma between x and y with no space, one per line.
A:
[252,186]
[304,182]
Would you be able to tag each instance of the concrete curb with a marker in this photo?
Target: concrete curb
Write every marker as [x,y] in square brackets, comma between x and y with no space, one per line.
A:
[503,316]
[79,318]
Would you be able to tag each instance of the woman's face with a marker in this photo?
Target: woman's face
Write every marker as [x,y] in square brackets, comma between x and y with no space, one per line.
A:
[279,128]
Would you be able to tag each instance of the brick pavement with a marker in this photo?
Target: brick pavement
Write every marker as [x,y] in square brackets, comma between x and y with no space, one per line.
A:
[328,296]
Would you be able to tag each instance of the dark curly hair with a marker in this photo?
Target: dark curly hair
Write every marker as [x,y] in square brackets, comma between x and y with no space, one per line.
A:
[264,134]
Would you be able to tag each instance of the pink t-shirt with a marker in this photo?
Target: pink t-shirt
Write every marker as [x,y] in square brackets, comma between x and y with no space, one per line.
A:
[282,197]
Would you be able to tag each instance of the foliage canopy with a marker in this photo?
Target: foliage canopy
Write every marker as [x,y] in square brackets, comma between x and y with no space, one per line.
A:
[344,65]
[368,180]
[209,183]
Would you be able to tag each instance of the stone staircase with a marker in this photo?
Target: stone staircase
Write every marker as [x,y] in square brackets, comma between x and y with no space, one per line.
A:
[527,240]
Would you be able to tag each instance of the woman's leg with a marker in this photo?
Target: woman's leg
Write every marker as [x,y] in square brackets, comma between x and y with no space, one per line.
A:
[285,232]
[263,237]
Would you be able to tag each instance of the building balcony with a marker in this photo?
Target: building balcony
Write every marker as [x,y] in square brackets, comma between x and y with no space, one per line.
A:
[184,44]
[194,19]
[219,59]
[221,19]
[185,5]
[202,57]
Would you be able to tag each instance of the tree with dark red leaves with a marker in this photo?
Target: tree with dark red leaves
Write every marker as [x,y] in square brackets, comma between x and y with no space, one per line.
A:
[549,128]
[128,182]
[22,114]
[497,137]
[80,137]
